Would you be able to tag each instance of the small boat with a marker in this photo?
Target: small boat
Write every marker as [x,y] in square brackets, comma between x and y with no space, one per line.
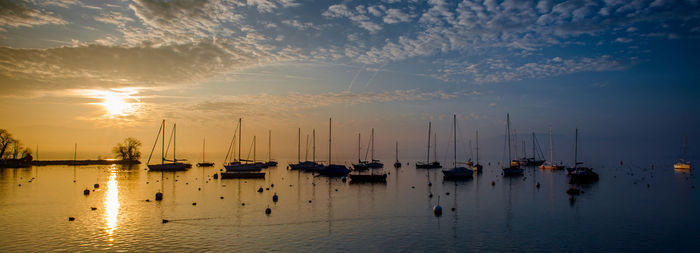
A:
[531,161]
[167,165]
[580,175]
[477,167]
[240,164]
[332,170]
[397,164]
[308,166]
[550,165]
[683,164]
[372,163]
[204,163]
[457,172]
[514,168]
[427,164]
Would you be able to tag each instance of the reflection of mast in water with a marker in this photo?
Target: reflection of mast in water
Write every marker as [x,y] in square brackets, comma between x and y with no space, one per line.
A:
[330,208]
[238,209]
[509,207]
[456,219]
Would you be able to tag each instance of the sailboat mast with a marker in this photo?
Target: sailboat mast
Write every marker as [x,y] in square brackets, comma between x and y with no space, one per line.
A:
[515,143]
[299,145]
[508,134]
[306,150]
[204,143]
[533,146]
[685,147]
[269,145]
[359,142]
[551,150]
[477,146]
[429,126]
[435,146]
[254,148]
[314,146]
[162,146]
[576,149]
[373,144]
[454,122]
[330,135]
[397,151]
[240,138]
[174,141]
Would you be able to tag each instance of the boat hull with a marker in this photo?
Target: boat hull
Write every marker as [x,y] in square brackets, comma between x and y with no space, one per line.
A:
[237,167]
[682,166]
[169,167]
[458,173]
[512,171]
[582,176]
[232,175]
[205,164]
[368,178]
[433,165]
[334,170]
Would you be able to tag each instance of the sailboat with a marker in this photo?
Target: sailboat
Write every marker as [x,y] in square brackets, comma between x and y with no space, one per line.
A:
[513,169]
[397,164]
[477,167]
[372,163]
[360,165]
[580,175]
[270,162]
[457,172]
[333,170]
[427,164]
[238,164]
[204,163]
[305,165]
[531,161]
[167,165]
[683,164]
[550,165]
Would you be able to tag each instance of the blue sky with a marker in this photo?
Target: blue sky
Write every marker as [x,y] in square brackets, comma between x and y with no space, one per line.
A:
[623,71]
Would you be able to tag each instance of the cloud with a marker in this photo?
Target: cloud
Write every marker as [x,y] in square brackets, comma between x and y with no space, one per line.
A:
[114,18]
[90,66]
[299,25]
[394,16]
[18,15]
[362,20]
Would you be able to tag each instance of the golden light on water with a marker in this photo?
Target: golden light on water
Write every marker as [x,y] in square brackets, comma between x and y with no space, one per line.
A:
[112,203]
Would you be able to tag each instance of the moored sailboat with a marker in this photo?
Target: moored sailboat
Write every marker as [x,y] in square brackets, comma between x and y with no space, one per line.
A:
[457,172]
[513,169]
[397,164]
[683,164]
[332,170]
[239,165]
[580,175]
[550,165]
[167,165]
[427,164]
[204,163]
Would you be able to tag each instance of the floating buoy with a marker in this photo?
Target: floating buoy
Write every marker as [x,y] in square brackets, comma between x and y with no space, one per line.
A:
[430,184]
[93,208]
[194,203]
[222,197]
[260,189]
[413,187]
[344,179]
[20,185]
[268,211]
[453,209]
[159,196]
[309,201]
[216,176]
[86,192]
[447,193]
[493,183]
[148,200]
[272,185]
[96,185]
[199,188]
[242,203]
[275,197]
[165,221]
[430,195]
[71,218]
[437,210]
[336,189]
[267,188]
[537,185]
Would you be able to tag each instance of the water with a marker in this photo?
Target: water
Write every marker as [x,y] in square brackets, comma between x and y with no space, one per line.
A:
[619,213]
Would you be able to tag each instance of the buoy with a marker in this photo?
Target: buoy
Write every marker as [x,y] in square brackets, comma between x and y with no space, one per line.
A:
[20,185]
[309,201]
[268,211]
[71,218]
[430,184]
[430,195]
[413,187]
[344,179]
[199,188]
[216,176]
[86,192]
[148,200]
[159,196]
[336,189]
[165,221]
[272,185]
[242,203]
[447,193]
[453,209]
[260,189]
[96,185]
[222,197]
[267,188]
[194,203]
[437,210]
[93,208]
[275,197]
[493,183]
[537,185]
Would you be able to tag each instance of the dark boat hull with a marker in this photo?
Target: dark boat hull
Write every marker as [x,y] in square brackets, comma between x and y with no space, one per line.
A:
[334,170]
[433,165]
[169,167]
[205,164]
[368,178]
[232,175]
[512,171]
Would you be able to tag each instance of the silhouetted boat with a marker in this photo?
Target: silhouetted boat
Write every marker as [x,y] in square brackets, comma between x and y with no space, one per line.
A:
[305,165]
[457,172]
[270,162]
[397,164]
[204,163]
[360,165]
[167,165]
[332,170]
[550,165]
[580,175]
[531,161]
[683,164]
[514,168]
[372,163]
[239,165]
[427,164]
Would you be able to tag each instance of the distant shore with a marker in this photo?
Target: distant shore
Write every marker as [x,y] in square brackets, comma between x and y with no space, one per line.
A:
[21,163]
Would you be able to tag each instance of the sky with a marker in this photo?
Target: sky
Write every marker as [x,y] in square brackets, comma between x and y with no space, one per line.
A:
[95,72]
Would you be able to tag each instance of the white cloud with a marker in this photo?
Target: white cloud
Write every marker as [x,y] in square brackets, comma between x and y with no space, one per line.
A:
[18,15]
[394,16]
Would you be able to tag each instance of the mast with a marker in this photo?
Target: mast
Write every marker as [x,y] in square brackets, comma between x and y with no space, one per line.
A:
[685,147]
[174,141]
[314,146]
[306,151]
[477,146]
[299,146]
[254,148]
[429,125]
[454,121]
[269,145]
[551,151]
[435,146]
[330,135]
[373,144]
[204,141]
[359,142]
[162,147]
[240,138]
[508,134]
[515,143]
[75,153]
[524,154]
[397,151]
[533,146]
[576,149]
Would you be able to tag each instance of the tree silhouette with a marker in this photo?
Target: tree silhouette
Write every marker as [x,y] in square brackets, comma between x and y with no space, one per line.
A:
[128,150]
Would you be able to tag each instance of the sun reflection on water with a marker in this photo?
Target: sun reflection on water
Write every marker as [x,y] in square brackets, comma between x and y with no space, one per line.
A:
[112,203]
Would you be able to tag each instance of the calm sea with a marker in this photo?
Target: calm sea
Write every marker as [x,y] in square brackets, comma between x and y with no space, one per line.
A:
[631,208]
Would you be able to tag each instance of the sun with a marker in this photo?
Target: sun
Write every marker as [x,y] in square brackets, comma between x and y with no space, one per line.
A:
[116,104]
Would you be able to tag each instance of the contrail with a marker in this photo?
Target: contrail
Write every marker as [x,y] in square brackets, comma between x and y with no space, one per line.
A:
[375,74]
[355,77]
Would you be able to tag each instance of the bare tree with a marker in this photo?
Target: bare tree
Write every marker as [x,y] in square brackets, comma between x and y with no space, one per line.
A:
[128,150]
[6,140]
